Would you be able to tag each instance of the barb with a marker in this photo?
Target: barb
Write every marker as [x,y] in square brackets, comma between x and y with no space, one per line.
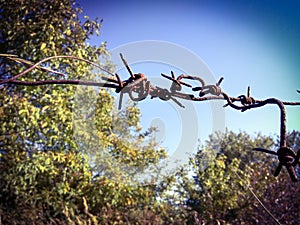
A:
[127,66]
[139,88]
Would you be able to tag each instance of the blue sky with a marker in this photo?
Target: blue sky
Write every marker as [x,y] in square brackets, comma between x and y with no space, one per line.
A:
[254,43]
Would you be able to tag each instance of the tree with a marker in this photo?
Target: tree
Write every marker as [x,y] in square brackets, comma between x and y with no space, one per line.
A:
[227,177]
[49,171]
[67,157]
[217,187]
[279,195]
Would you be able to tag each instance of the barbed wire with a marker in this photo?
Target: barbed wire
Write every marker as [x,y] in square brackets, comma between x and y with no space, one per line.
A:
[138,88]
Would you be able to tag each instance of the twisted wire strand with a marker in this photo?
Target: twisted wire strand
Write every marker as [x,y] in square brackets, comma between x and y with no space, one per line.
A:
[138,88]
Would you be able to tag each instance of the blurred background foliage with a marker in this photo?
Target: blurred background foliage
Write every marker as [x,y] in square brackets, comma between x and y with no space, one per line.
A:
[67,156]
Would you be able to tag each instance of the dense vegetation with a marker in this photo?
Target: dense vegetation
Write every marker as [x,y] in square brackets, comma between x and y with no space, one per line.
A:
[50,174]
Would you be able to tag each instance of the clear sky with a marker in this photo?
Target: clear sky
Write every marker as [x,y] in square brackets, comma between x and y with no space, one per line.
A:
[254,43]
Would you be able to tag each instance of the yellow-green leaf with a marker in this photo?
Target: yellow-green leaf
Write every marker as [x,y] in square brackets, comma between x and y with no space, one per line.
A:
[43,46]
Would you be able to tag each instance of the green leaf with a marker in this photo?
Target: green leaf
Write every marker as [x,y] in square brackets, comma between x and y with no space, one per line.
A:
[43,46]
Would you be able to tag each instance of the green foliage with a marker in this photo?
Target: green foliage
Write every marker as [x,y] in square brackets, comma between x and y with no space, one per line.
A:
[35,30]
[216,188]
[65,150]
[124,150]
[68,157]
[240,145]
[45,183]
[279,195]
[216,193]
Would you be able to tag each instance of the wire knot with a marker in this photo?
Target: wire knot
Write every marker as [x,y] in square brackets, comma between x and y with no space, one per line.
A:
[138,85]
[210,89]
[164,94]
[246,100]
[215,90]
[287,157]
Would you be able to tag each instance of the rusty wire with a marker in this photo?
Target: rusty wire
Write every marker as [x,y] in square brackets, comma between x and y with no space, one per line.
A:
[139,88]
